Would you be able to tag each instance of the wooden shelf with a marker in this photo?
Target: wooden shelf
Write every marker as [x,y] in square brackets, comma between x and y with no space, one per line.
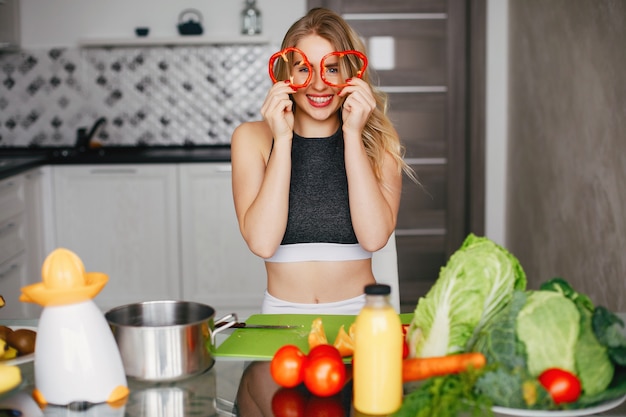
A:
[171,41]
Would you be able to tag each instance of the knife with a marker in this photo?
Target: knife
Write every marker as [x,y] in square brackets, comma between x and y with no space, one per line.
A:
[239,325]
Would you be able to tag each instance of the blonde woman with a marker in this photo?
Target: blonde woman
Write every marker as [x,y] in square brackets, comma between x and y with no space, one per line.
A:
[317,182]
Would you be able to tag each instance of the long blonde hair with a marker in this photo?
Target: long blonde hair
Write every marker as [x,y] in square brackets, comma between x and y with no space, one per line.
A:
[379,135]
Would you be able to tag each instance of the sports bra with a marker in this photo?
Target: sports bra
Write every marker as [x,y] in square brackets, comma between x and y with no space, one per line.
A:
[319,227]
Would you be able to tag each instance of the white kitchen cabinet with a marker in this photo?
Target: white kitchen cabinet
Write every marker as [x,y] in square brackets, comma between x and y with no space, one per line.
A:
[122,220]
[12,279]
[19,222]
[217,267]
[37,189]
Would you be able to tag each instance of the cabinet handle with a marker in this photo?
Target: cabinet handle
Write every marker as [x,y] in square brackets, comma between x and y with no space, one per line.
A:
[35,174]
[7,185]
[8,270]
[224,168]
[6,228]
[113,171]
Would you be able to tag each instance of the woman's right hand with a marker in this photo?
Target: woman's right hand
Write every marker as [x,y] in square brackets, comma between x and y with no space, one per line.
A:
[277,110]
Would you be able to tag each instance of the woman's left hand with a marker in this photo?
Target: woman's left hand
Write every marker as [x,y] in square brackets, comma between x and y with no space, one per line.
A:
[358,106]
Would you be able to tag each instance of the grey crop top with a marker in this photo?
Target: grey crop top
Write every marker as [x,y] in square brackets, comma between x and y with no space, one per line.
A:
[319,226]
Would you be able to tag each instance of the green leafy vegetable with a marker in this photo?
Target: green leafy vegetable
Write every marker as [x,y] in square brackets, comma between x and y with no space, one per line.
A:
[593,365]
[498,340]
[559,285]
[548,325]
[592,358]
[447,396]
[475,284]
[514,389]
[609,329]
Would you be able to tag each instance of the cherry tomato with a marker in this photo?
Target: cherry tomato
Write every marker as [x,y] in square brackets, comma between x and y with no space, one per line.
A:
[563,386]
[324,374]
[288,402]
[287,366]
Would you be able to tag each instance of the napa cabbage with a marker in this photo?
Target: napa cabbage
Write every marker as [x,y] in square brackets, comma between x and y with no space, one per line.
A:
[475,284]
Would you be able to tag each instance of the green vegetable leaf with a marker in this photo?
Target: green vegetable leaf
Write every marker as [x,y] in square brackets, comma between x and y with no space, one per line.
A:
[560,285]
[548,325]
[514,389]
[476,283]
[615,390]
[593,365]
[609,329]
[447,396]
[498,340]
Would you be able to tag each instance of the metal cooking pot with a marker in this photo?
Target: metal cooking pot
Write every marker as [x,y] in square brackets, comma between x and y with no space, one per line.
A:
[166,340]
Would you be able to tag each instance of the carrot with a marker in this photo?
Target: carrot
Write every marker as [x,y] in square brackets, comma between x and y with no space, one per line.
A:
[414,369]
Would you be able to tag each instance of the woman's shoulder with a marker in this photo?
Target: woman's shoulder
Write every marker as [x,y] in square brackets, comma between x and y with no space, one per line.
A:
[251,136]
[258,130]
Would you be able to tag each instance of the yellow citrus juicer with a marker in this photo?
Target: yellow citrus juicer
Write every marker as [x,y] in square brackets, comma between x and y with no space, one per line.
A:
[76,357]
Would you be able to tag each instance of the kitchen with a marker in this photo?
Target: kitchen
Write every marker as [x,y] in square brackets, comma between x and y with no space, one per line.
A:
[553,50]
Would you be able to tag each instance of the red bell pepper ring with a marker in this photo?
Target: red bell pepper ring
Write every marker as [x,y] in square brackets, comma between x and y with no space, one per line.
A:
[342,54]
[283,54]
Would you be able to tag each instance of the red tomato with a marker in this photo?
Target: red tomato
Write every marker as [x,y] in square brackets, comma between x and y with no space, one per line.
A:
[325,407]
[405,345]
[287,366]
[563,386]
[324,350]
[324,375]
[405,349]
[288,402]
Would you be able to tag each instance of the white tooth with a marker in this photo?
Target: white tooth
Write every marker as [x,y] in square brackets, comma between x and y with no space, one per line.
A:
[320,99]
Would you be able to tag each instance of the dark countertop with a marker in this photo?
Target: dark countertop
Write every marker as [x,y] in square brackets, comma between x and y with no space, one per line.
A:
[16,160]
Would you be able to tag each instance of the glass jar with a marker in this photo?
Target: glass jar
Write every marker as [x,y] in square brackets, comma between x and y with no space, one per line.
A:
[250,19]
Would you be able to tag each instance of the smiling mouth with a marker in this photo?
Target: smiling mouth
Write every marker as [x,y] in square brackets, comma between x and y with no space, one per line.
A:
[318,101]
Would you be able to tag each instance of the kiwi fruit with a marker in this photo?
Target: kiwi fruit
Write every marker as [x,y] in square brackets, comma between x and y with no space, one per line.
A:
[23,340]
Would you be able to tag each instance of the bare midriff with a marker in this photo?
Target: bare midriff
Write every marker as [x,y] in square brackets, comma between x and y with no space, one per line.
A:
[318,281]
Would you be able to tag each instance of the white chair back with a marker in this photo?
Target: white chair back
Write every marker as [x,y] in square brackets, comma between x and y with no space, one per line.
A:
[385,268]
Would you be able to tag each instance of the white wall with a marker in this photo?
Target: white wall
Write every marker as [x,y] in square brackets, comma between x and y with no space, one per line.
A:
[61,23]
[496,120]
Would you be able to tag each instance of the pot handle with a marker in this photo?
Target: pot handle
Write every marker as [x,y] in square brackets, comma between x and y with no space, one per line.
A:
[229,321]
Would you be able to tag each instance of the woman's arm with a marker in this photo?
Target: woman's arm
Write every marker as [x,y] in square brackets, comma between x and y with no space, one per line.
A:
[260,180]
[374,205]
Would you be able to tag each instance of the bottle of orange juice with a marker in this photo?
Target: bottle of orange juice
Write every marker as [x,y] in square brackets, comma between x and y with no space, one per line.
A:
[377,369]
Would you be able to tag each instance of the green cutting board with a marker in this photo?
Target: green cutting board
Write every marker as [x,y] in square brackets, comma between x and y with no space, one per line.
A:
[261,344]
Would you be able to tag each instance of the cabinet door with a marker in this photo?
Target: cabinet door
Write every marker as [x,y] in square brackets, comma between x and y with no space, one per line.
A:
[121,220]
[218,268]
[12,223]
[38,212]
[12,279]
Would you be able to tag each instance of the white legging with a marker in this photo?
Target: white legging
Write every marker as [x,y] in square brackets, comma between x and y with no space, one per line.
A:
[273,305]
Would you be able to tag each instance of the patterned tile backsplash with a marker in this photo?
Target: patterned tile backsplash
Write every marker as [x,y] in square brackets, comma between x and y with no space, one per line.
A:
[182,95]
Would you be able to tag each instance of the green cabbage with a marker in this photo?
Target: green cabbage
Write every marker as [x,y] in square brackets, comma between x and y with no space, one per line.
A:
[548,325]
[593,364]
[545,329]
[475,284]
